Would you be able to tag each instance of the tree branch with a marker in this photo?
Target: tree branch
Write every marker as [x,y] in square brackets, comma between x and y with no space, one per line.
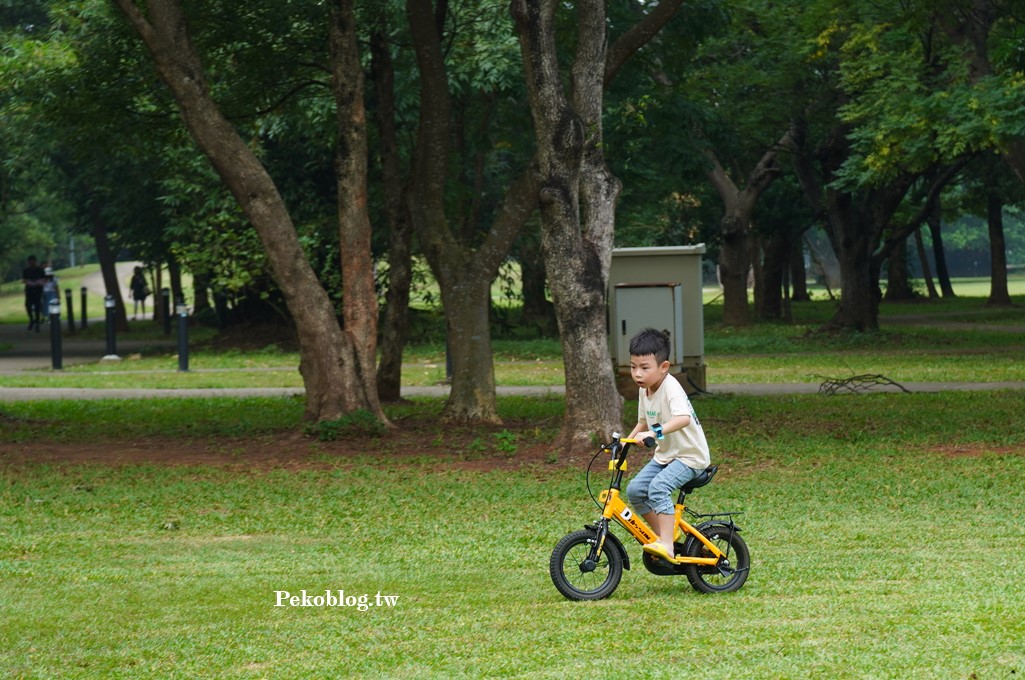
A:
[519,202]
[766,172]
[136,19]
[718,176]
[937,187]
[638,36]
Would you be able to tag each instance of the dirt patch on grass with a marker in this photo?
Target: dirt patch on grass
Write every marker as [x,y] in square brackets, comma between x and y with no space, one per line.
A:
[974,450]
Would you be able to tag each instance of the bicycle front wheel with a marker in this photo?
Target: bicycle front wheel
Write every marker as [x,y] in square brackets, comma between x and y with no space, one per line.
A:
[576,576]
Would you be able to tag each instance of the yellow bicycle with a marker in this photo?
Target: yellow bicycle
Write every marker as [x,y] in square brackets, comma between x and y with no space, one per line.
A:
[588,564]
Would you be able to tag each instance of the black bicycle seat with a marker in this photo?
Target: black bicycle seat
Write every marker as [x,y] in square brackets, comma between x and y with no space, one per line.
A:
[704,478]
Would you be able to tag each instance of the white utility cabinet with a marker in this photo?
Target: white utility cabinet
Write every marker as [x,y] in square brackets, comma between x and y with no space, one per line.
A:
[678,307]
[650,305]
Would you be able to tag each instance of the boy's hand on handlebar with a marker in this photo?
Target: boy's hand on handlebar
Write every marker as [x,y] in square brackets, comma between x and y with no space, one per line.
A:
[647,438]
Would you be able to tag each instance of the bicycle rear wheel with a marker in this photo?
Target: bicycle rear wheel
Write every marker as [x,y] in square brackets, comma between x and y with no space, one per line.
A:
[577,577]
[708,579]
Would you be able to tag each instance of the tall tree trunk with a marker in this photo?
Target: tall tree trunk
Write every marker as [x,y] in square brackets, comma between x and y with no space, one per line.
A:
[859,284]
[108,266]
[898,278]
[735,265]
[174,275]
[735,226]
[998,293]
[590,369]
[852,234]
[158,294]
[576,225]
[395,323]
[926,269]
[935,222]
[200,286]
[775,262]
[464,271]
[577,220]
[537,310]
[847,228]
[327,357]
[798,272]
[359,306]
[856,223]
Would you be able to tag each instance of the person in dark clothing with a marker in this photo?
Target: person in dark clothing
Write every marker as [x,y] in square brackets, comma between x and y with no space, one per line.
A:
[33,276]
[139,290]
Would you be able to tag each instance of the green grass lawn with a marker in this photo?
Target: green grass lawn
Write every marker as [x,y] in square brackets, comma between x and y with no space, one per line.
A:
[883,527]
[883,530]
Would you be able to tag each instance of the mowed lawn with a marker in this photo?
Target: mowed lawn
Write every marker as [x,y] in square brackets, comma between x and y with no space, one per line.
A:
[885,533]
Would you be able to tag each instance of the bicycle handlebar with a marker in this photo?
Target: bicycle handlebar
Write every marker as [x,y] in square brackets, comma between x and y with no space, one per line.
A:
[649,442]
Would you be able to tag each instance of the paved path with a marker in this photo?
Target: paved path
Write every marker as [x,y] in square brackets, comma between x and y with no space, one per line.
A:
[46,393]
[31,352]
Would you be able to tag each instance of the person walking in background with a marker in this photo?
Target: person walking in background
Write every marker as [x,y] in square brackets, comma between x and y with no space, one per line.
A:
[139,291]
[33,276]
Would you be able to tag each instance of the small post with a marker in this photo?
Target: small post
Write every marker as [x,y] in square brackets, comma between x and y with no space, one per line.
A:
[71,311]
[55,334]
[183,336]
[165,309]
[84,315]
[110,306]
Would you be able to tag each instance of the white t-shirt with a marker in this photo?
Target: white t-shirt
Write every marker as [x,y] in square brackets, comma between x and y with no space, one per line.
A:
[687,445]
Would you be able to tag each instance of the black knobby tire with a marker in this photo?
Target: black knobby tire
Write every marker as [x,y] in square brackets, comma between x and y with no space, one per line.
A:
[707,579]
[570,573]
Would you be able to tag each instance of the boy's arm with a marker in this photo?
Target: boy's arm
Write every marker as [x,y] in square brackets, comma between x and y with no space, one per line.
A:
[675,423]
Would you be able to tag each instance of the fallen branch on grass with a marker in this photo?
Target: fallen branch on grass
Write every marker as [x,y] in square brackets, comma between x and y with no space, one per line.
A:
[856,384]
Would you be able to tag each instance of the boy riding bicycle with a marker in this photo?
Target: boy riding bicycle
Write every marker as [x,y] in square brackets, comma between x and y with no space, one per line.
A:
[664,413]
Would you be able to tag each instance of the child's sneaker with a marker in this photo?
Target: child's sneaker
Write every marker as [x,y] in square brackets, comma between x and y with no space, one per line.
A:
[658,550]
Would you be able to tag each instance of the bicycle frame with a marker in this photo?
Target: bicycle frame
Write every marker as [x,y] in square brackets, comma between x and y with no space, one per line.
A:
[615,508]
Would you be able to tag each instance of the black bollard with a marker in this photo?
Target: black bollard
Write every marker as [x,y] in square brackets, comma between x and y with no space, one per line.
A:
[55,334]
[71,311]
[165,309]
[183,336]
[111,308]
[84,315]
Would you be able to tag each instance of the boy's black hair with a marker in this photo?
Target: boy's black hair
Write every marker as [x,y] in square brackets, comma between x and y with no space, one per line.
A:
[650,341]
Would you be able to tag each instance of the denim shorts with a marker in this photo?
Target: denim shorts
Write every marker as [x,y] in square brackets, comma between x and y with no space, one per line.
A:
[651,489]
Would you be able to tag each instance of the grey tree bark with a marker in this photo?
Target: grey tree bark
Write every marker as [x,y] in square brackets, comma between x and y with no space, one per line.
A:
[394,329]
[463,268]
[332,372]
[359,307]
[578,196]
[998,293]
[735,226]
